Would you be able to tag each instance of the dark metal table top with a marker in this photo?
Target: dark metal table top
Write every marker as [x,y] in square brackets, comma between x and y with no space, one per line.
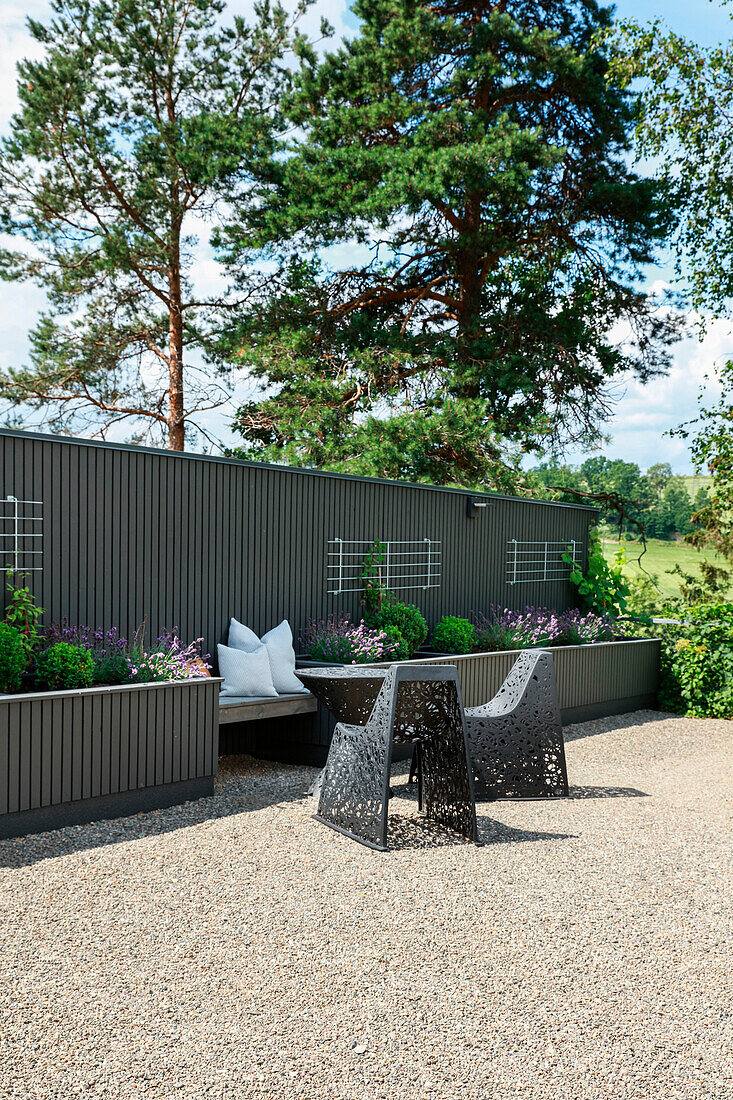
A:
[348,691]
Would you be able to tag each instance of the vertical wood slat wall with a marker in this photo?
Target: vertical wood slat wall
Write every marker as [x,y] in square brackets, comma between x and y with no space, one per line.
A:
[188,541]
[133,534]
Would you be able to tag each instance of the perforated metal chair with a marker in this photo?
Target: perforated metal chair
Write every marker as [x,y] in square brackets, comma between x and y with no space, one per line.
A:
[515,740]
[416,705]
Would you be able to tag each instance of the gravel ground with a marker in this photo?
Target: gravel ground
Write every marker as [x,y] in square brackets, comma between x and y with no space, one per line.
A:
[235,948]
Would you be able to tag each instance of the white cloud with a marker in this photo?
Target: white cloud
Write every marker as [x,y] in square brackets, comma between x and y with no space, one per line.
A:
[16,44]
[644,413]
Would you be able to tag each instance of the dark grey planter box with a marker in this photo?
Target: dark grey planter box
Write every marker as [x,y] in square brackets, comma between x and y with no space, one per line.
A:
[593,681]
[70,757]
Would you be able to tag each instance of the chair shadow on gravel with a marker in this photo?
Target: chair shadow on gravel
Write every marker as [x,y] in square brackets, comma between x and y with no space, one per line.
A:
[606,792]
[243,785]
[404,832]
[418,832]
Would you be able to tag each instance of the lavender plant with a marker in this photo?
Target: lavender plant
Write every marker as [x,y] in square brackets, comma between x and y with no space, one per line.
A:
[535,627]
[339,640]
[169,659]
[118,661]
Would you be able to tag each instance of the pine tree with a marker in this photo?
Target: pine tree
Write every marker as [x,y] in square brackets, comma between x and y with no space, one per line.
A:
[140,117]
[469,161]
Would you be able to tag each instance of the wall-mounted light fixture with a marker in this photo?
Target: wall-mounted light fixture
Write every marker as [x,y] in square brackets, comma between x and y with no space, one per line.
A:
[472,506]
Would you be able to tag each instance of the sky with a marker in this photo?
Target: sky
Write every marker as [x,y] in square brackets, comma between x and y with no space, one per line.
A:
[643,414]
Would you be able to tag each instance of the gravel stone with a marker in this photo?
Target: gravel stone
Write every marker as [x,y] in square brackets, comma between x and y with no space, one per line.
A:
[235,948]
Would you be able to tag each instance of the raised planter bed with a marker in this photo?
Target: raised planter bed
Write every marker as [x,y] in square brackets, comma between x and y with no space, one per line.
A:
[593,681]
[70,757]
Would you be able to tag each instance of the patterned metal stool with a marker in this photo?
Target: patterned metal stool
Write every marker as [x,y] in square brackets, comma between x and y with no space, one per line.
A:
[416,704]
[516,742]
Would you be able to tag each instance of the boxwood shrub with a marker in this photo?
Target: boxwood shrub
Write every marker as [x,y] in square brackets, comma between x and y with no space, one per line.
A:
[13,658]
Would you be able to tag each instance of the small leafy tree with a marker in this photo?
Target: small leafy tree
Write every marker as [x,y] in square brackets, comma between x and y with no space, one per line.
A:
[142,116]
[711,445]
[685,122]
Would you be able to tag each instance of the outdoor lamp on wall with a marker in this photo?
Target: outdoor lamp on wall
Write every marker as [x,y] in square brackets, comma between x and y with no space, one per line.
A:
[472,506]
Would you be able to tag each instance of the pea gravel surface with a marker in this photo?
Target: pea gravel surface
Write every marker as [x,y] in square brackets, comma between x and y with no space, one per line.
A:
[234,947]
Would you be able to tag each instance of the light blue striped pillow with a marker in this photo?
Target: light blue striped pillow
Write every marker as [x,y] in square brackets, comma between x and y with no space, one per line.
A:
[246,675]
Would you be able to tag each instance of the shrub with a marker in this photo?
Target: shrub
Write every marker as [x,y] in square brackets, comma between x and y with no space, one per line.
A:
[697,662]
[64,665]
[454,635]
[339,640]
[405,618]
[111,668]
[13,658]
[603,588]
[108,649]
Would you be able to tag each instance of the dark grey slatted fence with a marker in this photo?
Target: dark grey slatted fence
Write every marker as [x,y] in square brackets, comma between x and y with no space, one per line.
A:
[188,541]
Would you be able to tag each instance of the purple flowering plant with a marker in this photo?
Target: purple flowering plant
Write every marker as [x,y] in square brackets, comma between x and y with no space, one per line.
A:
[338,639]
[503,629]
[168,659]
[119,661]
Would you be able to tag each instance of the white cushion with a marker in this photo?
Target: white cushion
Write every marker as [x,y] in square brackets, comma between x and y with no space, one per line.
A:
[245,674]
[279,644]
[241,637]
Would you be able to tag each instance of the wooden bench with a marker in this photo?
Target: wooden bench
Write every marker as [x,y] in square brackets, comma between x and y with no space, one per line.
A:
[234,709]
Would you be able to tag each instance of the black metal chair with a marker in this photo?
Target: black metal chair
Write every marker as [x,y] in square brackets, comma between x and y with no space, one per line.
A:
[515,740]
[416,705]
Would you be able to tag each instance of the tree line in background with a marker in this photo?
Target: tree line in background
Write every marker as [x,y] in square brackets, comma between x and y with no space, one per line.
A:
[656,502]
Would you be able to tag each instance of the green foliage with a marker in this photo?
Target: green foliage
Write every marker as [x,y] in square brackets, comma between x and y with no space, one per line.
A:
[644,600]
[453,635]
[697,662]
[136,118]
[685,124]
[111,668]
[710,437]
[21,610]
[63,666]
[402,621]
[478,154]
[603,588]
[657,500]
[13,658]
[373,592]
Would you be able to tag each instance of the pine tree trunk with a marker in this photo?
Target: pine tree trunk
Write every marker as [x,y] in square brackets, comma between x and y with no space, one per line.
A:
[176,422]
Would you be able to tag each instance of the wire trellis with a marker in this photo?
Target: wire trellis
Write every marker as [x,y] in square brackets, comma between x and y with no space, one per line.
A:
[21,535]
[408,563]
[532,562]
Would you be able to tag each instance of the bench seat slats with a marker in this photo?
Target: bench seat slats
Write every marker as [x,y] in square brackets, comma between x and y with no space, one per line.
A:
[252,709]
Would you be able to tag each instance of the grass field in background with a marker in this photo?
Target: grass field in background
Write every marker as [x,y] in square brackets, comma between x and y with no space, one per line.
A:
[660,557]
[695,482]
